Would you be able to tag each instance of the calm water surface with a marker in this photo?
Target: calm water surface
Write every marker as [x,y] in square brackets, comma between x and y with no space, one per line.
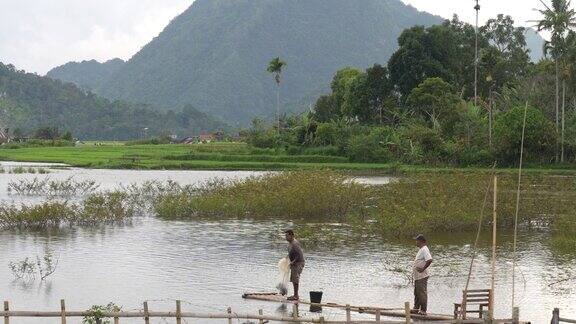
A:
[209,264]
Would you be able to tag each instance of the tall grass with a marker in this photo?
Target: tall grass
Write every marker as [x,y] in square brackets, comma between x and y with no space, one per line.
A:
[314,194]
[453,202]
[102,208]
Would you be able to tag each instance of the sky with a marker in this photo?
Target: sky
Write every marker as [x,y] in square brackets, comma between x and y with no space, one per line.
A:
[37,35]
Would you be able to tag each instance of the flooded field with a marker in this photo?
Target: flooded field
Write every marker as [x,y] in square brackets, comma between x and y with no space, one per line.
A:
[208,264]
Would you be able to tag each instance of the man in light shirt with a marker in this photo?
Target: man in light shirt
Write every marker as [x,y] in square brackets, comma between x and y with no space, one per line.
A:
[421,263]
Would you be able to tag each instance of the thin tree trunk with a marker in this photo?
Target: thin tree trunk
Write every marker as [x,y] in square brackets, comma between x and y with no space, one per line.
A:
[563,119]
[278,107]
[557,105]
[490,116]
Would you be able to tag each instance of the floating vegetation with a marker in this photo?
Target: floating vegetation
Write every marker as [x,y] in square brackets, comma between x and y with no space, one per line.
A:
[52,188]
[313,194]
[102,208]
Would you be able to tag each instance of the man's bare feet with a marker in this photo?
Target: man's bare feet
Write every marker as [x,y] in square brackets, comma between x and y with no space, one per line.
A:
[293,298]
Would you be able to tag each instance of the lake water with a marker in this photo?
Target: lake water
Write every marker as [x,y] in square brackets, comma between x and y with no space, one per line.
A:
[209,264]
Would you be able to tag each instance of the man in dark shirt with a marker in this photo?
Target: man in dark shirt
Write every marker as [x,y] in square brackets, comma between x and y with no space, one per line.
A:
[296,256]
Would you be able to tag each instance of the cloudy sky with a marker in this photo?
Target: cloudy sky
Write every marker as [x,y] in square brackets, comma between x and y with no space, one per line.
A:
[37,35]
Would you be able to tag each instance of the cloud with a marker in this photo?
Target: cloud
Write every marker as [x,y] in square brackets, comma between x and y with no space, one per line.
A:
[37,35]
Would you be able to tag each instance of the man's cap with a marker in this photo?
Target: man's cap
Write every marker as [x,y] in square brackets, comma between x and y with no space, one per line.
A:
[420,237]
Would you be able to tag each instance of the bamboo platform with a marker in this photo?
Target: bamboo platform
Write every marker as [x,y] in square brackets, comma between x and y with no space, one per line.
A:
[388,312]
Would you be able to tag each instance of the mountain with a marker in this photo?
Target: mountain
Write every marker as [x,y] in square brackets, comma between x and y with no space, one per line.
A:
[535,43]
[214,55]
[89,75]
[29,101]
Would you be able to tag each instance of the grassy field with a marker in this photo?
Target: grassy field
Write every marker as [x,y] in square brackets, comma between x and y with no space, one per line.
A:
[213,156]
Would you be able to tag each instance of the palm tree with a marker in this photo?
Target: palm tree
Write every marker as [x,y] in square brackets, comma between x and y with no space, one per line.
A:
[557,19]
[275,67]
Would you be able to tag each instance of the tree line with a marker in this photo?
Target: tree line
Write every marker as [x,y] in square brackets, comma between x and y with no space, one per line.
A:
[420,107]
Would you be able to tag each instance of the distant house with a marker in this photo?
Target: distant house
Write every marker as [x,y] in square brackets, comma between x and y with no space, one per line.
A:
[189,140]
[207,138]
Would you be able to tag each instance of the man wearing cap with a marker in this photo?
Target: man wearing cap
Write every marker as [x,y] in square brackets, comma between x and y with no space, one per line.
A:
[296,256]
[421,263]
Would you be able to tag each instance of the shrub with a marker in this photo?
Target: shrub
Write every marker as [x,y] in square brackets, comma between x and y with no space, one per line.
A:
[315,194]
[372,147]
[452,202]
[540,137]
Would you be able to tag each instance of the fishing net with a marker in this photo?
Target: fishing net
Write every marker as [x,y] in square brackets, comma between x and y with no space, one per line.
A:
[283,276]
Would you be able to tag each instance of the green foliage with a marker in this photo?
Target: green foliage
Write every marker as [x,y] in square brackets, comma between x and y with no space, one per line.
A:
[435,102]
[86,74]
[444,203]
[31,102]
[372,147]
[326,109]
[96,314]
[101,208]
[540,136]
[300,195]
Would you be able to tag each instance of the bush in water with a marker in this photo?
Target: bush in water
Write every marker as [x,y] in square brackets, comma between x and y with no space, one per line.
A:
[112,207]
[318,194]
[447,202]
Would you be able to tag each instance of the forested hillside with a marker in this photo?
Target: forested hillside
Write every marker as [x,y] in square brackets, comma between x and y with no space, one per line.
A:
[88,75]
[214,55]
[29,101]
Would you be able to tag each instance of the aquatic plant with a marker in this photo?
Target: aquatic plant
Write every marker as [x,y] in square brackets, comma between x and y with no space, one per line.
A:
[54,188]
[96,314]
[101,208]
[27,270]
[435,202]
[310,194]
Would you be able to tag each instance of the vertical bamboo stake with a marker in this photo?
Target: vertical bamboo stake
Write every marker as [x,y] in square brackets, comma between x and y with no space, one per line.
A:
[6,309]
[486,317]
[321,319]
[116,320]
[261,313]
[494,242]
[407,311]
[516,315]
[295,310]
[146,317]
[377,316]
[230,315]
[348,315]
[63,310]
[555,316]
[178,312]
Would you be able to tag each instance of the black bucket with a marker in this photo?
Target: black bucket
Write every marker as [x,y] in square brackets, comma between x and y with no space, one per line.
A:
[316,297]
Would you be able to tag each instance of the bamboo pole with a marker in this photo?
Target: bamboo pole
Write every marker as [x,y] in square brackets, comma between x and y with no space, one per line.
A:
[378,316]
[230,315]
[6,309]
[223,316]
[178,312]
[295,314]
[408,314]
[515,315]
[261,313]
[146,313]
[494,242]
[348,314]
[63,310]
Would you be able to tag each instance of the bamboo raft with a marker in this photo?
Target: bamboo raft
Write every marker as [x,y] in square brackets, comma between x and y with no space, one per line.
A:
[388,312]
